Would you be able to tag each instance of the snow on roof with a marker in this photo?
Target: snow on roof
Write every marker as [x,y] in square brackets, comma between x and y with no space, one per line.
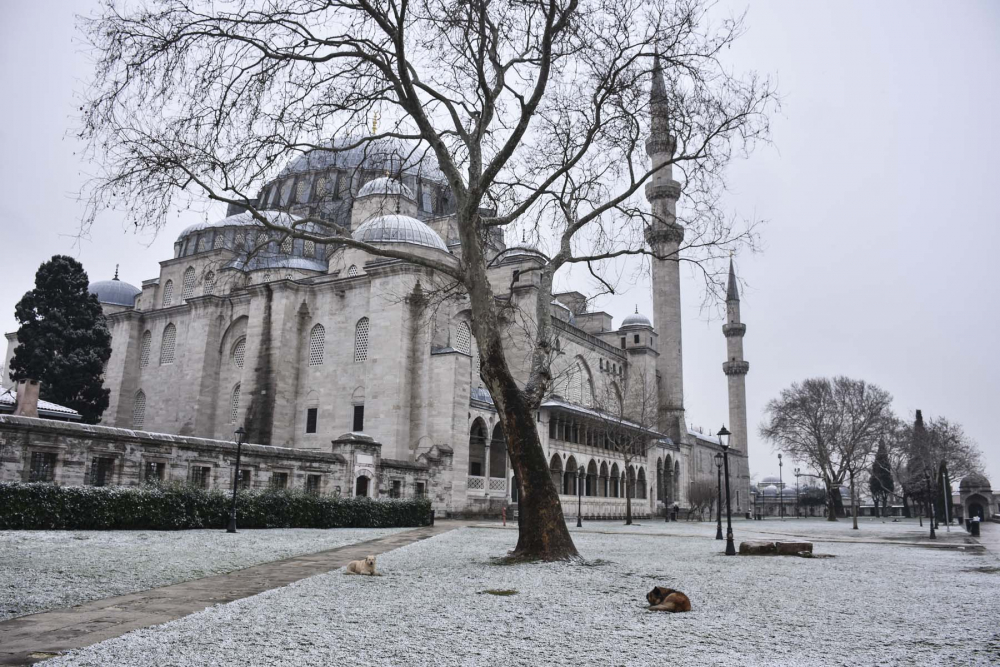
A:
[8,400]
[579,409]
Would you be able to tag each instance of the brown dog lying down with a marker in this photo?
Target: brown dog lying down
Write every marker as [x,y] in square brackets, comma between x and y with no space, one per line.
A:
[366,566]
[667,599]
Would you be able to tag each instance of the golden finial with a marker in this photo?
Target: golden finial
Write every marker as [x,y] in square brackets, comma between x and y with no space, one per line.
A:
[375,119]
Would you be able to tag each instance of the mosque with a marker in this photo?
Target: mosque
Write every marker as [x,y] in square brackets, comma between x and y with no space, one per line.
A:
[349,379]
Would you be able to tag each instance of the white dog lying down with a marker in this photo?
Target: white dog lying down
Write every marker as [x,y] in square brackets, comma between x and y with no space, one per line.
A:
[366,566]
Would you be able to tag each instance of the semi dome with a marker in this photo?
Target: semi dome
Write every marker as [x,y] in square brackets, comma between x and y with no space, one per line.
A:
[115,292]
[636,319]
[974,481]
[397,228]
[385,186]
[245,219]
[384,155]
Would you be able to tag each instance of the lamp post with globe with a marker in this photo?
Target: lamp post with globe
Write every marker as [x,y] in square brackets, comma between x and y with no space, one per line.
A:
[718,511]
[781,490]
[730,547]
[240,436]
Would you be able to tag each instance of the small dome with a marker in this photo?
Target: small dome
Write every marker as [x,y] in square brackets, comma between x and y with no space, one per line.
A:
[398,228]
[636,319]
[770,491]
[115,292]
[385,186]
[770,480]
[974,481]
[245,219]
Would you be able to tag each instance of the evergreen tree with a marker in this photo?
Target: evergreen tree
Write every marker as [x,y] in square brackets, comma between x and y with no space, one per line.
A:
[880,482]
[63,339]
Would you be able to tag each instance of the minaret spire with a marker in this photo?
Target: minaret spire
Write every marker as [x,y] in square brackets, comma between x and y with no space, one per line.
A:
[733,291]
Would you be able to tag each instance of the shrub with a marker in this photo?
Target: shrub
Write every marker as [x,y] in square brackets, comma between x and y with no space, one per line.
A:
[46,506]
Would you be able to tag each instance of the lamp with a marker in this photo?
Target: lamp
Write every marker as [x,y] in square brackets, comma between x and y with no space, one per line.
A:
[718,511]
[240,438]
[730,547]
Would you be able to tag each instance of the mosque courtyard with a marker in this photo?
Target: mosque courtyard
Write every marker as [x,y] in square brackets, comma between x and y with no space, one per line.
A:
[889,596]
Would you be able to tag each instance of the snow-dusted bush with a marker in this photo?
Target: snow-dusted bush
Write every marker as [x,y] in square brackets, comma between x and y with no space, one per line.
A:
[46,506]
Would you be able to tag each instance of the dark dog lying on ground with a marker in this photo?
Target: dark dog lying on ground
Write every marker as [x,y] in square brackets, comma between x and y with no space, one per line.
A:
[667,599]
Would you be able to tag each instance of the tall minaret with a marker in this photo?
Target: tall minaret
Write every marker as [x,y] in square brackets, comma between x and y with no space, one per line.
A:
[735,367]
[664,236]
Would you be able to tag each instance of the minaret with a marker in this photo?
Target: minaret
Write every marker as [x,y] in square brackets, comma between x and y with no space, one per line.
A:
[664,236]
[735,367]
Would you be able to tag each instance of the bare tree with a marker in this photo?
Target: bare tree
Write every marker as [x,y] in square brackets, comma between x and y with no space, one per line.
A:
[627,417]
[833,425]
[702,493]
[536,113]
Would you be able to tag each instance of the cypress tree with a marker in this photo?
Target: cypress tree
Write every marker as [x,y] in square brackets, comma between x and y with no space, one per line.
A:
[880,482]
[63,339]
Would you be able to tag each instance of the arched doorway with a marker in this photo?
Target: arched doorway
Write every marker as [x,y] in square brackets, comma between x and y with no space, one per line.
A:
[556,472]
[569,480]
[477,451]
[361,487]
[976,505]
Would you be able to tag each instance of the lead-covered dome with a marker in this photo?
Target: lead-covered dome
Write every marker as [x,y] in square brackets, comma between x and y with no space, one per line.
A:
[397,228]
[388,154]
[974,481]
[636,319]
[385,186]
[115,292]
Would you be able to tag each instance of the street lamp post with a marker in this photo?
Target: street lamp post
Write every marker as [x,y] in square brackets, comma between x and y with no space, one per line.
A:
[930,503]
[240,436]
[579,498]
[781,490]
[718,511]
[730,547]
[797,493]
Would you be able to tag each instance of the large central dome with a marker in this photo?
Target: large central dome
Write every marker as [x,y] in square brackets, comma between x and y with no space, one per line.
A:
[389,156]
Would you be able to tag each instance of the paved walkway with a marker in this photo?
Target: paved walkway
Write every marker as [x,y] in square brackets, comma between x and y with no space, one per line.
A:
[28,639]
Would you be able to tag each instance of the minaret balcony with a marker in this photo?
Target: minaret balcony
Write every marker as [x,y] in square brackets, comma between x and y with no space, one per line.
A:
[736,367]
[668,190]
[657,145]
[734,329]
[668,233]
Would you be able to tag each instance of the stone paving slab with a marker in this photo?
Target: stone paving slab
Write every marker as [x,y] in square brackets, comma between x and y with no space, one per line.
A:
[28,639]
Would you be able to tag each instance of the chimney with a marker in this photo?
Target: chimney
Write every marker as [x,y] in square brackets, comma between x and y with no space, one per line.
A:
[27,399]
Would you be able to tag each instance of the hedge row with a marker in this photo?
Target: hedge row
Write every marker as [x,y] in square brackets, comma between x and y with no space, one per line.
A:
[50,507]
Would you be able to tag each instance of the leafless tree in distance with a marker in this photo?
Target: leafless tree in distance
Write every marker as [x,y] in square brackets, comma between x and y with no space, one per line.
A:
[536,112]
[832,425]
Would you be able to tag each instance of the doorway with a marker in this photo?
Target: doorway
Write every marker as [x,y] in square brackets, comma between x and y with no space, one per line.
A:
[361,487]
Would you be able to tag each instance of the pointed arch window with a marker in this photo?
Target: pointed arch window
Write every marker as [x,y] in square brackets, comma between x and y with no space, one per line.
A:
[210,283]
[139,410]
[463,338]
[286,245]
[352,271]
[168,293]
[147,342]
[309,249]
[234,404]
[361,340]
[239,352]
[187,287]
[219,241]
[167,345]
[317,342]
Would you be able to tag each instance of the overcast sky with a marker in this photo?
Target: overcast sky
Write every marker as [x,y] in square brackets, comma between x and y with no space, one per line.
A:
[880,249]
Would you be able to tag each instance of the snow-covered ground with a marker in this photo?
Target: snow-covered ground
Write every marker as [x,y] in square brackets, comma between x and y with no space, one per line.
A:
[42,570]
[873,604]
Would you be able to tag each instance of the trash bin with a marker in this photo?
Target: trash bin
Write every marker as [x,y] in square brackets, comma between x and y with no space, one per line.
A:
[975,528]
[748,515]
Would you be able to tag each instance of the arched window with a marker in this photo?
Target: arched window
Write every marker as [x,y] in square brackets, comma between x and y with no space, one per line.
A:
[591,488]
[352,271]
[463,338]
[677,480]
[309,249]
[615,481]
[498,455]
[361,340]
[317,342]
[167,345]
[286,245]
[139,410]
[209,283]
[556,472]
[147,342]
[569,480]
[640,491]
[219,241]
[235,404]
[602,487]
[187,287]
[477,450]
[267,277]
[262,239]
[168,293]
[239,351]
[203,244]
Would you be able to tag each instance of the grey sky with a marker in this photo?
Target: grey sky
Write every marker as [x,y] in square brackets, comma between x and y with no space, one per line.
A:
[879,258]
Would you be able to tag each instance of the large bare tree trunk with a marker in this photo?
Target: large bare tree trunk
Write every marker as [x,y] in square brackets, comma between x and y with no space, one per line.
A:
[854,503]
[831,502]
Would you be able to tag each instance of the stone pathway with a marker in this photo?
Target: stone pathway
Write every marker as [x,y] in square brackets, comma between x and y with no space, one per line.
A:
[29,639]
